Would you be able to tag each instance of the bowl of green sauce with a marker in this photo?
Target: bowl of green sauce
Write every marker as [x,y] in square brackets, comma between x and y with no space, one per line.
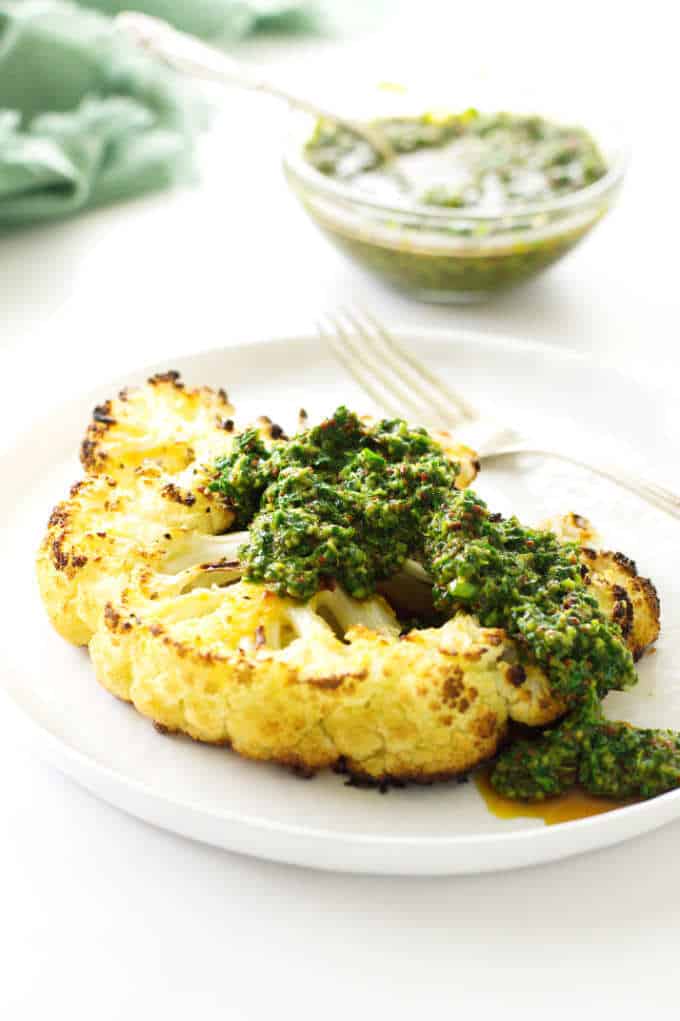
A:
[493,198]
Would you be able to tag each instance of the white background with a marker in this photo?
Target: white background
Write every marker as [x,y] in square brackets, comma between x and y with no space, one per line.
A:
[104,917]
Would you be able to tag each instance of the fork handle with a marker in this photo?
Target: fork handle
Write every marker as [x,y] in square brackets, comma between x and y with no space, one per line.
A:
[650,492]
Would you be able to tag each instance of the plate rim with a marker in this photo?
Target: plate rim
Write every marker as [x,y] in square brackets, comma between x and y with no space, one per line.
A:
[75,763]
[86,389]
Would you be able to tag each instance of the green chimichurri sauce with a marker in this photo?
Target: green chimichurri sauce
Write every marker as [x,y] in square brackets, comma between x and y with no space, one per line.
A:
[608,759]
[529,583]
[350,503]
[339,501]
[496,164]
[482,161]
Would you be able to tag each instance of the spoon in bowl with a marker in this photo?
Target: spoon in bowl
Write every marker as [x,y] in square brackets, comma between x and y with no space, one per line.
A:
[188,55]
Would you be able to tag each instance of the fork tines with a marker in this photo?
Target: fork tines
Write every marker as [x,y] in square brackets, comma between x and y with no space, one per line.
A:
[397,381]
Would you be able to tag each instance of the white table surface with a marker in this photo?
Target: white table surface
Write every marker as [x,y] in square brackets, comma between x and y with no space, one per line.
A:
[104,917]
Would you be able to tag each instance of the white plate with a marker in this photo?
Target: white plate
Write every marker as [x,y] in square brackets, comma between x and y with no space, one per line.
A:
[210,794]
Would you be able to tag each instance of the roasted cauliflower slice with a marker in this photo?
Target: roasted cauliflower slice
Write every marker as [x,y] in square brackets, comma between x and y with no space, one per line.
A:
[136,563]
[274,680]
[324,683]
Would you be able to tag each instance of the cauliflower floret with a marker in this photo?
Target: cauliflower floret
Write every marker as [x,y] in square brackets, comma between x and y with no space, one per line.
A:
[163,422]
[572,528]
[629,599]
[107,527]
[148,455]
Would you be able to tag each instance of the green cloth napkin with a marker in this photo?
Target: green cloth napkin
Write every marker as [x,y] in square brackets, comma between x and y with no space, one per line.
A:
[85,118]
[232,19]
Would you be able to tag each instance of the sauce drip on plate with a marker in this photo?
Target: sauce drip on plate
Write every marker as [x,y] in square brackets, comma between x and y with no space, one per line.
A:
[576,804]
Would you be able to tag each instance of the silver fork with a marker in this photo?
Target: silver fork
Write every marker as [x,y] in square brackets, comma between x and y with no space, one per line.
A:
[403,387]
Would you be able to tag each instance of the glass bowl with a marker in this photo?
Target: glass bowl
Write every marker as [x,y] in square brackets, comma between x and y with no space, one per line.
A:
[450,255]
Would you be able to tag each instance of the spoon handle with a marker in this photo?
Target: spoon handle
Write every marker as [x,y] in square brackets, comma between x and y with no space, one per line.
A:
[191,56]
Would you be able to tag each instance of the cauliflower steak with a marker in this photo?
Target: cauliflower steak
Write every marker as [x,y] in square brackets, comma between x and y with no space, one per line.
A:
[139,564]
